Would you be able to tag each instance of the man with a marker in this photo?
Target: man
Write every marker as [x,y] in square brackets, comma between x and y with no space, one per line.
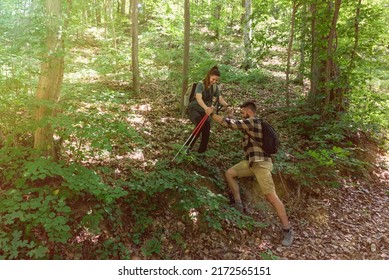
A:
[257,163]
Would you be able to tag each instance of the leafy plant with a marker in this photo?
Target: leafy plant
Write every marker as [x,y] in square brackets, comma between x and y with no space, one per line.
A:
[114,248]
[152,246]
[179,239]
[184,193]
[269,255]
[36,209]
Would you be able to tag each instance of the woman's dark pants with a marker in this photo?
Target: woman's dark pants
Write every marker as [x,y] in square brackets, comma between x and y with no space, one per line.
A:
[205,131]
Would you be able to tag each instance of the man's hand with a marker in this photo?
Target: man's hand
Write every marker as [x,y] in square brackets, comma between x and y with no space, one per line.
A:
[229,110]
[216,118]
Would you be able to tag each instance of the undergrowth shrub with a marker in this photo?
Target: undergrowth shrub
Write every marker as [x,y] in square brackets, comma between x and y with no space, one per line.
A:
[92,133]
[322,152]
[182,192]
[37,199]
[15,128]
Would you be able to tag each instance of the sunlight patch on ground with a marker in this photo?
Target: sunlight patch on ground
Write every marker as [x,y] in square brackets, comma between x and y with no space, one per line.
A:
[168,120]
[278,74]
[193,215]
[85,75]
[137,155]
[142,108]
[83,59]
[98,33]
[136,119]
[86,235]
[184,121]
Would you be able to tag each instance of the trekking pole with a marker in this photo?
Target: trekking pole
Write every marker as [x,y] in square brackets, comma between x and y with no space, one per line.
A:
[219,107]
[192,136]
[196,130]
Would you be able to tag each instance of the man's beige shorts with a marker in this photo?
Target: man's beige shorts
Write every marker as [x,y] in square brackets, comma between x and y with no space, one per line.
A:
[261,170]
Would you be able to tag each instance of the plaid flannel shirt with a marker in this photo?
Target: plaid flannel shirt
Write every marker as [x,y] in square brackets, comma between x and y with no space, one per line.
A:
[252,138]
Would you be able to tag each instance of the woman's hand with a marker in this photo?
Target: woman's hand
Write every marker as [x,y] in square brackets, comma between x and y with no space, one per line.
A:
[209,110]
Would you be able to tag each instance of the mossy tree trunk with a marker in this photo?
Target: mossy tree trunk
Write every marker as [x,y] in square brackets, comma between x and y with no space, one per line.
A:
[50,80]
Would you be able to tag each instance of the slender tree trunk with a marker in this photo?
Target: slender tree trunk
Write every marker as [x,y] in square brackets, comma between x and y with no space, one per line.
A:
[123,7]
[356,34]
[300,74]
[106,17]
[186,58]
[341,105]
[84,21]
[247,34]
[315,73]
[330,52]
[218,9]
[51,77]
[290,45]
[97,9]
[111,16]
[135,60]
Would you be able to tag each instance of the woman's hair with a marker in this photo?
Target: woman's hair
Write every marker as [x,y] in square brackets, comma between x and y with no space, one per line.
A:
[213,72]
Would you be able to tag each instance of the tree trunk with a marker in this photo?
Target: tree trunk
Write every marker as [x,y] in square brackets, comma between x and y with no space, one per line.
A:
[247,34]
[342,104]
[97,9]
[217,14]
[123,7]
[356,34]
[300,74]
[186,53]
[324,70]
[290,45]
[330,64]
[135,61]
[51,77]
[315,73]
[111,17]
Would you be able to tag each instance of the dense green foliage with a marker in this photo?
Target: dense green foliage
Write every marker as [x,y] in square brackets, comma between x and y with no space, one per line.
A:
[94,190]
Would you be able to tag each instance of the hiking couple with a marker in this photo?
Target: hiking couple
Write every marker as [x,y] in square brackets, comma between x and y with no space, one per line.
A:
[257,162]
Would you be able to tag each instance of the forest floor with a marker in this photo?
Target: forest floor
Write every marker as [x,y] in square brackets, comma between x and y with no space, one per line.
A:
[347,223]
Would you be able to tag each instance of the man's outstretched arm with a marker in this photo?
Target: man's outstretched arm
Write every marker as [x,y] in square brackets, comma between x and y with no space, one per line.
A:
[232,123]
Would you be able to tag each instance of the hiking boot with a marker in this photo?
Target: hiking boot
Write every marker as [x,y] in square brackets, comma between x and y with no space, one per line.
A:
[238,206]
[288,237]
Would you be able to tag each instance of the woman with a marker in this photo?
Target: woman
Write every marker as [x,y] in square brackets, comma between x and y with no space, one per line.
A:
[205,91]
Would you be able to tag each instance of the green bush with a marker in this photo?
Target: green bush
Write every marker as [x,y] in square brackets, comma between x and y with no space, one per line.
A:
[36,203]
[184,193]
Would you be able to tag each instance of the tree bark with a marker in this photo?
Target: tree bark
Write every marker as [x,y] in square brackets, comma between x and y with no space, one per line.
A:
[135,46]
[111,18]
[356,34]
[314,57]
[330,53]
[186,57]
[290,45]
[123,7]
[247,34]
[51,77]
[342,106]
[300,74]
